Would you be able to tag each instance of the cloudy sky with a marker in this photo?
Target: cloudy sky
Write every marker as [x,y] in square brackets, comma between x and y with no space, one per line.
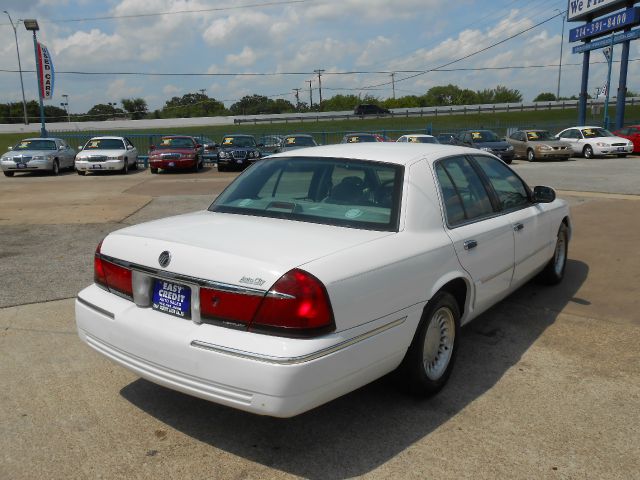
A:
[286,40]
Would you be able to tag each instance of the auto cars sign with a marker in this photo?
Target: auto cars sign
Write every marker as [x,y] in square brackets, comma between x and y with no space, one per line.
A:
[45,72]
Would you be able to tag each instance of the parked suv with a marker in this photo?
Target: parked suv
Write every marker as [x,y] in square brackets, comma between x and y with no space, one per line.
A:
[370,109]
[238,152]
[488,141]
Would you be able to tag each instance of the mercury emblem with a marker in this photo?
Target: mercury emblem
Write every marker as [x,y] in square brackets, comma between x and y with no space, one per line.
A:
[164,259]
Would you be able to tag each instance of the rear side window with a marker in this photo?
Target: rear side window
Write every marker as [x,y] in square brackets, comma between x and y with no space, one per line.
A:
[333,191]
[511,191]
[465,197]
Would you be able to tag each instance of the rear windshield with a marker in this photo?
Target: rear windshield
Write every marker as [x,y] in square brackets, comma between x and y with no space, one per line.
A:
[332,191]
[104,144]
[36,145]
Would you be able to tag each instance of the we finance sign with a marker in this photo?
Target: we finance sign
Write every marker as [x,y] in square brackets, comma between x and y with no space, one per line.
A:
[581,9]
[45,72]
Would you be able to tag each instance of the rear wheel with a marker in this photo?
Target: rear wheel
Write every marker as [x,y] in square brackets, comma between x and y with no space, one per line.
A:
[430,358]
[55,168]
[587,151]
[8,174]
[622,155]
[553,272]
[531,156]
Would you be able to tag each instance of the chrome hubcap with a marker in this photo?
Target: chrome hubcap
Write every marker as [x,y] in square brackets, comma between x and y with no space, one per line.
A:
[560,254]
[438,343]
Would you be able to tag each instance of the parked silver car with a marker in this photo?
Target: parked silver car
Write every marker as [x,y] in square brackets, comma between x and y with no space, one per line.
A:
[38,154]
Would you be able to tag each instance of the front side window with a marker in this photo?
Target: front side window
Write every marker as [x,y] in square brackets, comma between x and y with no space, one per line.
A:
[465,197]
[332,191]
[511,191]
[596,132]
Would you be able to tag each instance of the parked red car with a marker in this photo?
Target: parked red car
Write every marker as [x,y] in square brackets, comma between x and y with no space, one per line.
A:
[176,152]
[632,132]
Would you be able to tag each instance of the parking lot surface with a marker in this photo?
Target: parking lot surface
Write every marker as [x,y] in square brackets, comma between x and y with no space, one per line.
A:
[546,385]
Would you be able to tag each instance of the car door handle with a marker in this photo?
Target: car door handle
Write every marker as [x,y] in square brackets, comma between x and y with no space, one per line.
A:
[517,227]
[469,244]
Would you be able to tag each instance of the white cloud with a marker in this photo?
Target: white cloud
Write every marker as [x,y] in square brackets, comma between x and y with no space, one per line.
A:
[245,58]
[118,89]
[171,90]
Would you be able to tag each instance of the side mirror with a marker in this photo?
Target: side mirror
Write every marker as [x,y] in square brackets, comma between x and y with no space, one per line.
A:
[152,147]
[9,148]
[129,147]
[61,147]
[79,147]
[543,194]
[198,146]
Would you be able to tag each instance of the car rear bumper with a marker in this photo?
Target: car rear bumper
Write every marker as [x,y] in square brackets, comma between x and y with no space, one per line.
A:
[285,378]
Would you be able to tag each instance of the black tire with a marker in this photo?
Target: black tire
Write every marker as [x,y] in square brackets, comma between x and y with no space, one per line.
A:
[134,166]
[55,170]
[507,161]
[125,169]
[81,172]
[153,170]
[531,155]
[196,166]
[553,272]
[222,168]
[622,155]
[587,151]
[416,376]
[8,174]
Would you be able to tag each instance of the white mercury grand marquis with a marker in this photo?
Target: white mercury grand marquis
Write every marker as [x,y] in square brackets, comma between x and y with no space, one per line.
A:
[319,270]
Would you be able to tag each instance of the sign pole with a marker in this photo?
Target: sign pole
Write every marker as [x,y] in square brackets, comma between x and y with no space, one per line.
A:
[582,103]
[43,130]
[608,53]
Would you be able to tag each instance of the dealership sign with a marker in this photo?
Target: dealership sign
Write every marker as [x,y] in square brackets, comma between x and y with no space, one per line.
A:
[605,42]
[581,9]
[617,21]
[45,72]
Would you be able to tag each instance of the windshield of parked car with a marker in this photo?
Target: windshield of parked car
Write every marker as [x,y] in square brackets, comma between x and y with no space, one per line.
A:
[421,140]
[596,132]
[298,142]
[35,145]
[238,142]
[484,136]
[176,142]
[104,144]
[538,135]
[360,138]
[333,191]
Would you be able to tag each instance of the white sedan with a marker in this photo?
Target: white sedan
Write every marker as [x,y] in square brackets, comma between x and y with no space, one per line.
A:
[107,154]
[417,138]
[595,141]
[319,270]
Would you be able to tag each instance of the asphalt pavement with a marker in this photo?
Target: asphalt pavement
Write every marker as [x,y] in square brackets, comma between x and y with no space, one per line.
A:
[547,383]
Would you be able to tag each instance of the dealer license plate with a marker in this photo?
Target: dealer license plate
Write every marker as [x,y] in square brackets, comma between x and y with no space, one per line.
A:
[621,149]
[172,298]
[96,167]
[21,165]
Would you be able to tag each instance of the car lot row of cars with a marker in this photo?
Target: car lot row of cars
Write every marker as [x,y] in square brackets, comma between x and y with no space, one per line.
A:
[236,152]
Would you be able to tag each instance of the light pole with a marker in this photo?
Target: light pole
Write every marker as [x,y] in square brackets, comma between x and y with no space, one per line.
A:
[564,16]
[15,34]
[66,106]
[31,24]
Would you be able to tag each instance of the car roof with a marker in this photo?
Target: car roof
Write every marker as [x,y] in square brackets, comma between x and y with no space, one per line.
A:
[177,136]
[106,137]
[392,152]
[40,138]
[238,135]
[299,135]
[422,135]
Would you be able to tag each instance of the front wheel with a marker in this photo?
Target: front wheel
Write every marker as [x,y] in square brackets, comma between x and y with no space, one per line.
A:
[553,272]
[125,169]
[588,151]
[55,168]
[8,174]
[81,172]
[153,170]
[429,360]
[531,156]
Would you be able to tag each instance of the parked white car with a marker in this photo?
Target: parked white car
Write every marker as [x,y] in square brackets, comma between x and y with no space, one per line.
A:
[37,154]
[107,154]
[370,258]
[417,138]
[595,141]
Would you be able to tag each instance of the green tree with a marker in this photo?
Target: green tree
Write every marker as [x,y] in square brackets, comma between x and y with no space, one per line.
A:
[545,97]
[136,107]
[259,104]
[192,105]
[102,111]
[502,94]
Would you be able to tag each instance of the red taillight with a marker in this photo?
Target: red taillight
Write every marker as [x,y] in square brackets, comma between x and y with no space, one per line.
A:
[229,306]
[297,304]
[111,276]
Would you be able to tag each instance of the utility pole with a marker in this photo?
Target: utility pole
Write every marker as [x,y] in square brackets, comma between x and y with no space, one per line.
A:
[310,94]
[564,17]
[393,84]
[297,90]
[319,72]
[24,101]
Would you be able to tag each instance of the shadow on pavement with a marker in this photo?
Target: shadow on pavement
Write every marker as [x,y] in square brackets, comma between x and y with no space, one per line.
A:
[355,434]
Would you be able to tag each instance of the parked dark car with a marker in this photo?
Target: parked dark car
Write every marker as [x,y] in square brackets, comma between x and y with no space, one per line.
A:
[293,142]
[363,138]
[487,141]
[446,138]
[370,109]
[209,148]
[176,152]
[270,143]
[237,152]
